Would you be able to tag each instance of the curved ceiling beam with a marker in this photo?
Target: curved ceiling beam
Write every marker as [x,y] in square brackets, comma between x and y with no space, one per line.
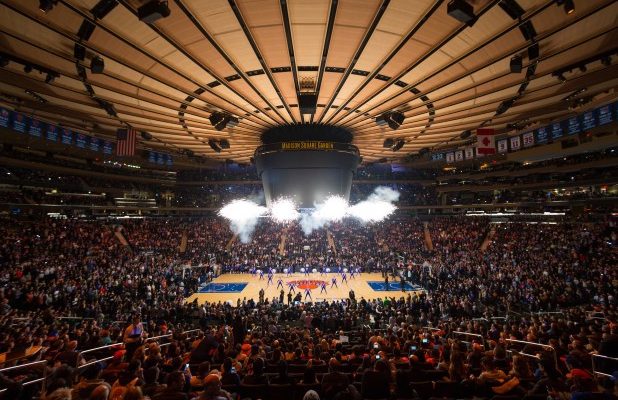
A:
[357,54]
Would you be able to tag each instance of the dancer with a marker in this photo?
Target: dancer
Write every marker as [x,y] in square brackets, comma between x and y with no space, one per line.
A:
[291,286]
[280,283]
[344,277]
[308,294]
[261,272]
[270,278]
[333,282]
[323,290]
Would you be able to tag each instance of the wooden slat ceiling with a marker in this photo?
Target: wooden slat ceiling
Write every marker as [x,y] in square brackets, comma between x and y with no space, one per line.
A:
[249,57]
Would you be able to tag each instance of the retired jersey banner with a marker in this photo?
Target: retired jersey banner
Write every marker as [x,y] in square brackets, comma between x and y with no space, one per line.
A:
[450,157]
[437,156]
[528,139]
[108,147]
[80,140]
[459,155]
[515,143]
[485,141]
[503,146]
[94,144]
[469,152]
[556,130]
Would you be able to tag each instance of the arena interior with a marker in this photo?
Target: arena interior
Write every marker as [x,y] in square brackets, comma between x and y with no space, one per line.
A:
[308,199]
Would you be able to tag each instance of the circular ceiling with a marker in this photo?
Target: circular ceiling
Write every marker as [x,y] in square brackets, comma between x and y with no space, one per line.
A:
[252,59]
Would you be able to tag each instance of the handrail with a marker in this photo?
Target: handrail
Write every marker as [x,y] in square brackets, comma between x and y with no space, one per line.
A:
[158,337]
[472,335]
[544,346]
[37,380]
[119,344]
[594,371]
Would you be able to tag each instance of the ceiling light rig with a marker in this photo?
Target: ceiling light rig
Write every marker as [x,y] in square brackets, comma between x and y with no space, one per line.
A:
[569,6]
[462,11]
[6,59]
[47,5]
[393,119]
[604,58]
[221,120]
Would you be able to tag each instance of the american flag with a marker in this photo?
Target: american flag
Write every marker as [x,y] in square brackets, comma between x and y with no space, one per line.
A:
[125,142]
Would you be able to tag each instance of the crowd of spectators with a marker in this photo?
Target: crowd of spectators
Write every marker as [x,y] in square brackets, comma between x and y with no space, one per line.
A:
[71,285]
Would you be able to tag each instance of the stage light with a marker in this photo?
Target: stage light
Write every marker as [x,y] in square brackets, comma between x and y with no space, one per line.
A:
[607,61]
[569,6]
[49,78]
[97,65]
[153,11]
[561,78]
[462,11]
[224,144]
[388,143]
[214,145]
[516,64]
[399,144]
[47,5]
[283,210]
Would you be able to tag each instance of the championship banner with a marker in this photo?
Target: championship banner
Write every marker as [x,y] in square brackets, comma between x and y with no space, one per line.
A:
[66,136]
[528,139]
[459,155]
[36,128]
[51,133]
[5,117]
[450,157]
[80,140]
[515,143]
[485,141]
[19,122]
[94,144]
[503,146]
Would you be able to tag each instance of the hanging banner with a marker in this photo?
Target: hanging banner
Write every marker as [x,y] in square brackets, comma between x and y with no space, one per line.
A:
[36,128]
[450,157]
[51,133]
[528,139]
[469,152]
[503,146]
[5,117]
[515,142]
[459,155]
[94,144]
[80,140]
[19,122]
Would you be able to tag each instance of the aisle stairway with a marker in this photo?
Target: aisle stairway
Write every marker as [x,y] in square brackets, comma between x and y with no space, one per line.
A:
[331,242]
[183,243]
[231,242]
[488,238]
[120,236]
[284,238]
[428,242]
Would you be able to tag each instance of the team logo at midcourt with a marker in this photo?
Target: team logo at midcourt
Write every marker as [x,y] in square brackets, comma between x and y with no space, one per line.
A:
[307,283]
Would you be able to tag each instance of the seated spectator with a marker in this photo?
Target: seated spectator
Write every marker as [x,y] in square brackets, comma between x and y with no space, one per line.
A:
[334,381]
[151,382]
[174,390]
[375,383]
[282,378]
[256,377]
[89,381]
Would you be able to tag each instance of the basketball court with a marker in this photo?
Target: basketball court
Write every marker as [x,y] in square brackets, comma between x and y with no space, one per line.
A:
[231,287]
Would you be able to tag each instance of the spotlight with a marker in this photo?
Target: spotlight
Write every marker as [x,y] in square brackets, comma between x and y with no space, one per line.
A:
[561,78]
[214,145]
[569,6]
[396,120]
[47,5]
[224,144]
[221,120]
[49,78]
[382,120]
[307,103]
[388,143]
[516,64]
[398,144]
[97,65]
[27,68]
[462,11]
[146,136]
[583,68]
[153,11]
[465,134]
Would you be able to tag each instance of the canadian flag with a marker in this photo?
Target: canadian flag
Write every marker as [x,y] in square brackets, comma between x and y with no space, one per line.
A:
[485,143]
